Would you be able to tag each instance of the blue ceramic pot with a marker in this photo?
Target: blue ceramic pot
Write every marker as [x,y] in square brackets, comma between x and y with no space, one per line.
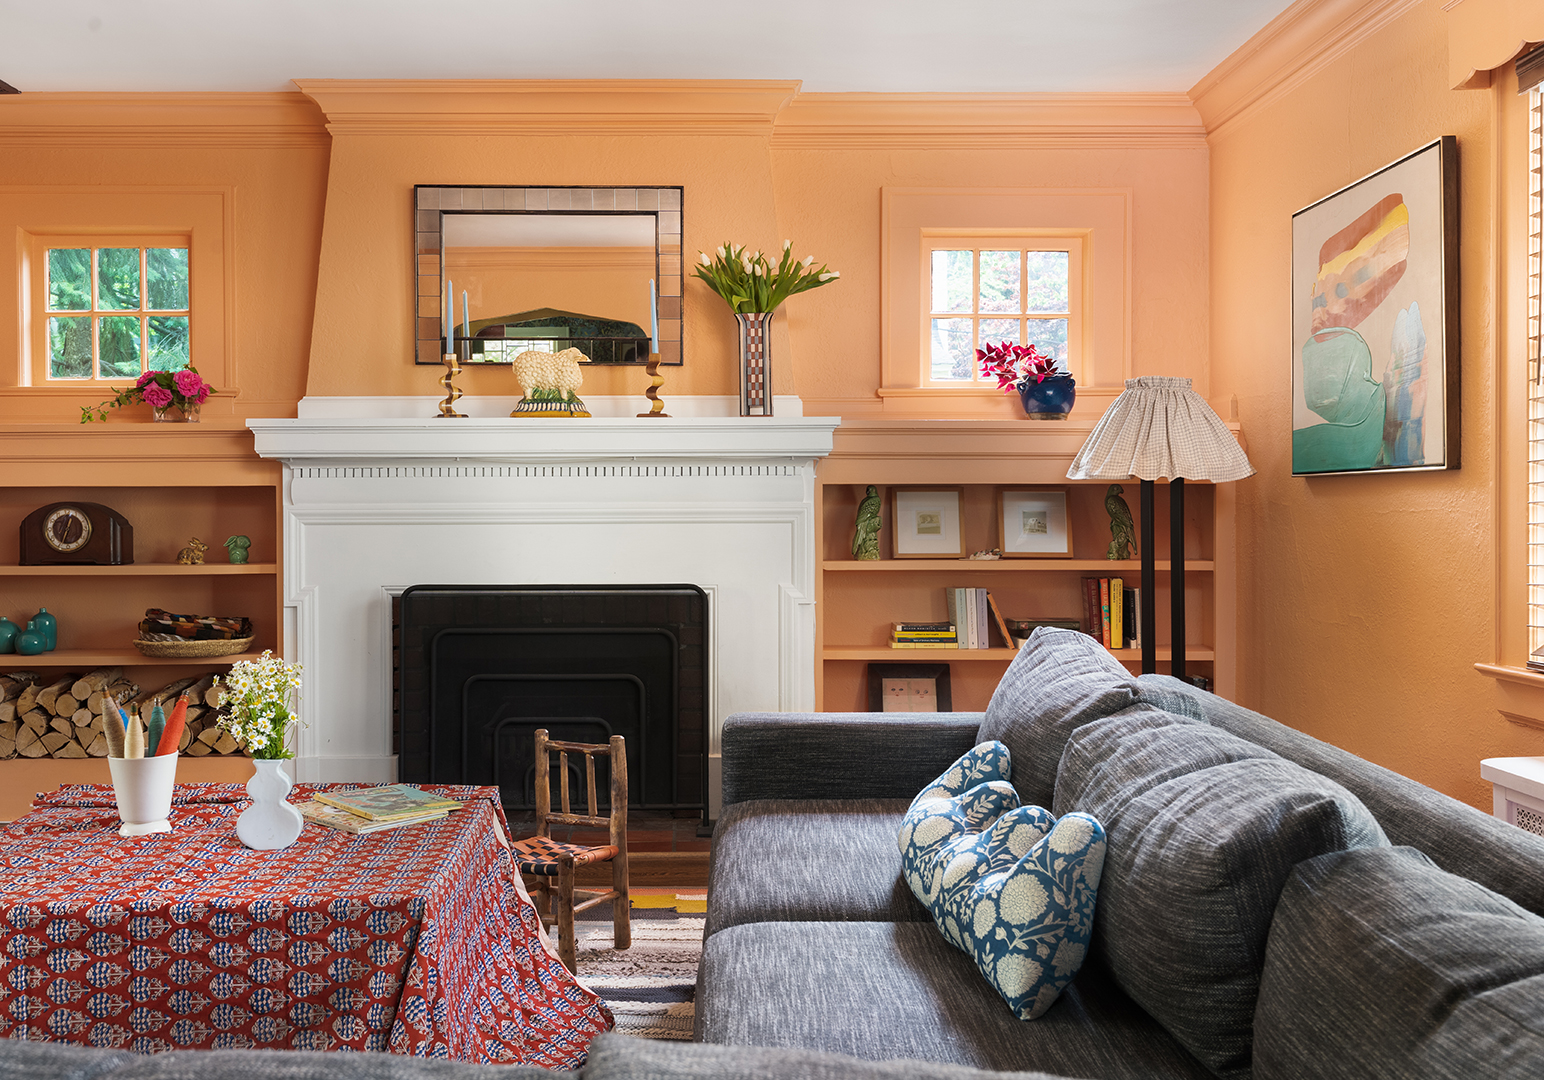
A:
[1049,399]
[8,634]
[30,641]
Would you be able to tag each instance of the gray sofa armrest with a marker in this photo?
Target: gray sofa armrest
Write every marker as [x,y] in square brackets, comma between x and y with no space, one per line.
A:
[840,755]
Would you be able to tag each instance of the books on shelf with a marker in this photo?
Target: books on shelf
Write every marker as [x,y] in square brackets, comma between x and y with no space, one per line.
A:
[334,818]
[388,802]
[976,614]
[1112,612]
[924,636]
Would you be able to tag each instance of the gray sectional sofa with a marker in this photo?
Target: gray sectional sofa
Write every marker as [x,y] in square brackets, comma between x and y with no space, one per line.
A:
[1270,906]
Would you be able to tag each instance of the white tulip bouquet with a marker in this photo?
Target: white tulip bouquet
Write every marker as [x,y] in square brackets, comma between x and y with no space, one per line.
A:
[749,282]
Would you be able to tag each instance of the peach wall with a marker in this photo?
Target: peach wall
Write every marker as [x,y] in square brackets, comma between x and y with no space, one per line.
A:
[1364,601]
[263,155]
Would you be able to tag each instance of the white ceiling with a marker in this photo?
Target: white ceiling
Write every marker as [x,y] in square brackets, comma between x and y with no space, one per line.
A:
[832,45]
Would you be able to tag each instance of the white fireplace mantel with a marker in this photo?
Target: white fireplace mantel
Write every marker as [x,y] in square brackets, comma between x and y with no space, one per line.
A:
[717,438]
[375,505]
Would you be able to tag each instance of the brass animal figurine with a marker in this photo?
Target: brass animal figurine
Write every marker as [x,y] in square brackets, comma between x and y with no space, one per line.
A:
[1123,534]
[193,554]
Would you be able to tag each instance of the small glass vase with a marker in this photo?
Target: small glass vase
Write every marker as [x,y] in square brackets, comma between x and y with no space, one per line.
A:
[172,414]
[271,822]
[755,362]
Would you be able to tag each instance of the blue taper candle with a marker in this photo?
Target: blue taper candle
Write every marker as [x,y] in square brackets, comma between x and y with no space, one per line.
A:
[450,317]
[466,318]
[653,319]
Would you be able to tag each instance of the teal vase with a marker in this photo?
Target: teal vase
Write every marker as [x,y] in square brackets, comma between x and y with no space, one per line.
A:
[30,642]
[8,632]
[48,626]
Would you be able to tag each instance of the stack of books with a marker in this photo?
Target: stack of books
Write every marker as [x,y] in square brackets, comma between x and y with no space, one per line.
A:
[375,809]
[976,614]
[1112,612]
[927,635]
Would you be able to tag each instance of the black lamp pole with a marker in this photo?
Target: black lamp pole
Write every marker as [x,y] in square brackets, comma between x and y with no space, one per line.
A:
[1149,584]
[1177,576]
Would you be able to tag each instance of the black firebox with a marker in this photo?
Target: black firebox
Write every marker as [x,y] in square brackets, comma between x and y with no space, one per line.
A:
[480,668]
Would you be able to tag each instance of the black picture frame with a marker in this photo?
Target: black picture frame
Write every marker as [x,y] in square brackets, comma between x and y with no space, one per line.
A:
[879,672]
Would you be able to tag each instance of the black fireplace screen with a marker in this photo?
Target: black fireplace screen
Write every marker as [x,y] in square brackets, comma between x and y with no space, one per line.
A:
[480,668]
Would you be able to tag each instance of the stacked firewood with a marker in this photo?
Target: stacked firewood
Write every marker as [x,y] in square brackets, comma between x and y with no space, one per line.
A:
[62,717]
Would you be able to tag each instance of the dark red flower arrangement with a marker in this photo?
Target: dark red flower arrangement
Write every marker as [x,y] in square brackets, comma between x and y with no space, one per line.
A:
[1017,366]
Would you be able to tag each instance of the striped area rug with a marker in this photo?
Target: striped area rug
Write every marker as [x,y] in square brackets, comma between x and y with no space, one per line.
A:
[650,987]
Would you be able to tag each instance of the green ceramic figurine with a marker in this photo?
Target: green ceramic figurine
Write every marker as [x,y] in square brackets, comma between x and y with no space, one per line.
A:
[865,537]
[1123,535]
[237,546]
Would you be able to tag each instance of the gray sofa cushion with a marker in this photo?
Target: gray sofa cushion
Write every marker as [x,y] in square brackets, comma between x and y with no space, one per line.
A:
[817,861]
[840,755]
[1459,838]
[1381,965]
[1203,830]
[1059,681]
[885,990]
[57,1061]
[618,1057]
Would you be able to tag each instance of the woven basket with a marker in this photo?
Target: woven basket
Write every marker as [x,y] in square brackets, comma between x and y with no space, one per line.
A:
[193,650]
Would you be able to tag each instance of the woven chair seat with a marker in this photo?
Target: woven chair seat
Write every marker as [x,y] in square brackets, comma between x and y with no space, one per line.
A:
[543,855]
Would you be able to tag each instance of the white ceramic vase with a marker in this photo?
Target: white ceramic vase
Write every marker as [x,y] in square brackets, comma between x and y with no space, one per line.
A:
[271,821]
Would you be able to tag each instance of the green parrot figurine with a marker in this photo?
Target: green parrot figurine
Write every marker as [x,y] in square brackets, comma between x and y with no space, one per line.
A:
[1123,534]
[865,536]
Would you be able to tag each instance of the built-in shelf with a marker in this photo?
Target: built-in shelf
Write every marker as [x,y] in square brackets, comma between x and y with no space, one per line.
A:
[953,566]
[140,570]
[75,658]
[883,652]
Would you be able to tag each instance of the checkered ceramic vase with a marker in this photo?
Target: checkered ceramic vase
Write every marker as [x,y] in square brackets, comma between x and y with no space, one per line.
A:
[755,362]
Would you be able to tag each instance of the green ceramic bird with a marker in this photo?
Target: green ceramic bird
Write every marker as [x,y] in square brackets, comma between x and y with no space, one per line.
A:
[865,536]
[1123,535]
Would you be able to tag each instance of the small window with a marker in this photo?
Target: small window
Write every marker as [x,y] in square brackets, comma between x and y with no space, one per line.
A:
[115,312]
[1023,290]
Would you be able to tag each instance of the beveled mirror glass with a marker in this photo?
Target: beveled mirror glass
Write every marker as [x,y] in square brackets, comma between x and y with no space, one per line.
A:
[515,268]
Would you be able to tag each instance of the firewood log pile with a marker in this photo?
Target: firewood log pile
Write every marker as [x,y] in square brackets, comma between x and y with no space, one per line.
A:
[61,717]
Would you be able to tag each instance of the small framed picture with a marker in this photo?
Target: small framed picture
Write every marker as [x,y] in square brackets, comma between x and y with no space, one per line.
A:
[909,688]
[927,523]
[1032,523]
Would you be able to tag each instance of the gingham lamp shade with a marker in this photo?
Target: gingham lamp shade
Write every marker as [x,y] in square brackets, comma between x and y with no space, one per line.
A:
[1160,428]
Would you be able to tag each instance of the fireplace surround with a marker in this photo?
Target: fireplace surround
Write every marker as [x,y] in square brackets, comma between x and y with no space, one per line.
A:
[373,505]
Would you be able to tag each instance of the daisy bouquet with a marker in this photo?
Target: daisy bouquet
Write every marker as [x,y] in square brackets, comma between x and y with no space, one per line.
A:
[258,704]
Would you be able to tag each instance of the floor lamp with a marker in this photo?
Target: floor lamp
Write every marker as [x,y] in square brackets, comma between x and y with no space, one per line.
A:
[1160,427]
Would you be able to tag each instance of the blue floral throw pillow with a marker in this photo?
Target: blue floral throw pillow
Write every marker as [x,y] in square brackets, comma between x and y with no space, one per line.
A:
[1010,885]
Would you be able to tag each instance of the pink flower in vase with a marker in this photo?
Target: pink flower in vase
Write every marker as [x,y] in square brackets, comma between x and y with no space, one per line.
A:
[203,394]
[146,379]
[188,382]
[157,396]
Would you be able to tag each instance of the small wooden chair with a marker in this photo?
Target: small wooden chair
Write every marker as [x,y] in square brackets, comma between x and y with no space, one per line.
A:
[552,863]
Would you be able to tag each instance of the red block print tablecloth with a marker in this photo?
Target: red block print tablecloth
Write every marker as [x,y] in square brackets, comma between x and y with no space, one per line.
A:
[415,940]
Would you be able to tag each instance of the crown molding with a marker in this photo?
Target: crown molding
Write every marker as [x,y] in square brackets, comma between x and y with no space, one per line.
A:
[549,106]
[987,121]
[1290,49]
[1484,35]
[221,120]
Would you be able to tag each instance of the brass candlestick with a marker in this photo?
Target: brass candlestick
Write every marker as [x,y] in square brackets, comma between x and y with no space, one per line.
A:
[652,393]
[448,381]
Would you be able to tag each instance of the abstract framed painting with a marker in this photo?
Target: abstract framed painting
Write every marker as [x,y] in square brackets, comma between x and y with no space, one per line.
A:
[1375,325]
